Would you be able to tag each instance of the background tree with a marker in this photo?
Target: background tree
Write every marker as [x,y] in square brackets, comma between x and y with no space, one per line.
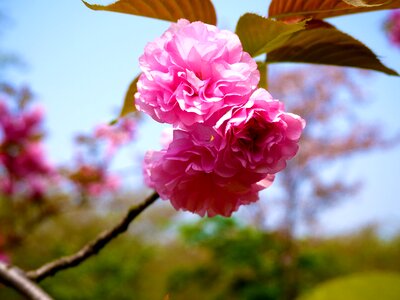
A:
[317,178]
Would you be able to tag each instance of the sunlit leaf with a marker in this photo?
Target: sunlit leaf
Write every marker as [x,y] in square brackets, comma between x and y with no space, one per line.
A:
[129,101]
[363,3]
[322,43]
[292,9]
[170,10]
[260,35]
[365,286]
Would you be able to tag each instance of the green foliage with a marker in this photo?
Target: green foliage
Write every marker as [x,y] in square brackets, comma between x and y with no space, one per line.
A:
[260,35]
[114,274]
[295,9]
[243,263]
[169,10]
[216,258]
[209,231]
[365,286]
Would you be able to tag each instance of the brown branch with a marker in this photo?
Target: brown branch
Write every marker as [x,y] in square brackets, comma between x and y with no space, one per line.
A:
[16,279]
[92,247]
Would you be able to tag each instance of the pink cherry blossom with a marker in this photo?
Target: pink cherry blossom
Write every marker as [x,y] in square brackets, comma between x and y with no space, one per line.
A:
[229,139]
[185,174]
[193,74]
[259,137]
[214,169]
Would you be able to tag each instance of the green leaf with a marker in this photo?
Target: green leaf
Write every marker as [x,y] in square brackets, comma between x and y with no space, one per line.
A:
[263,69]
[169,10]
[322,43]
[364,286]
[300,9]
[261,35]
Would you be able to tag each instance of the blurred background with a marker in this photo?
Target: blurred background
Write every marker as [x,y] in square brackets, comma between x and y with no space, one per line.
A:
[330,222]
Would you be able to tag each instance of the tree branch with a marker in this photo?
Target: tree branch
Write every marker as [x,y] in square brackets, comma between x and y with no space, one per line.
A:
[15,278]
[92,247]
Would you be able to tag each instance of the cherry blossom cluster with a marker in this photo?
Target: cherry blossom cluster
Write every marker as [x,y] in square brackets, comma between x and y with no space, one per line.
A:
[24,169]
[229,137]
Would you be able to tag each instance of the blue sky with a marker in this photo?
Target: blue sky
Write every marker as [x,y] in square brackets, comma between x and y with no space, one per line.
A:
[80,63]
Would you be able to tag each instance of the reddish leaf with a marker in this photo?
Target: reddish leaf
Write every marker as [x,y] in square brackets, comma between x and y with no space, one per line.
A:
[322,43]
[293,9]
[170,10]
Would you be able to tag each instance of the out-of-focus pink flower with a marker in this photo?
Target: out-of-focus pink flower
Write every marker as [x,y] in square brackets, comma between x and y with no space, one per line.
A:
[91,175]
[31,172]
[22,127]
[185,174]
[4,258]
[94,180]
[259,137]
[116,135]
[6,186]
[109,184]
[193,74]
[393,27]
[37,186]
[27,161]
[26,170]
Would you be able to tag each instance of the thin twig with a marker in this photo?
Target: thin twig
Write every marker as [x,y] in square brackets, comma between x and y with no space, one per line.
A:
[93,247]
[15,278]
